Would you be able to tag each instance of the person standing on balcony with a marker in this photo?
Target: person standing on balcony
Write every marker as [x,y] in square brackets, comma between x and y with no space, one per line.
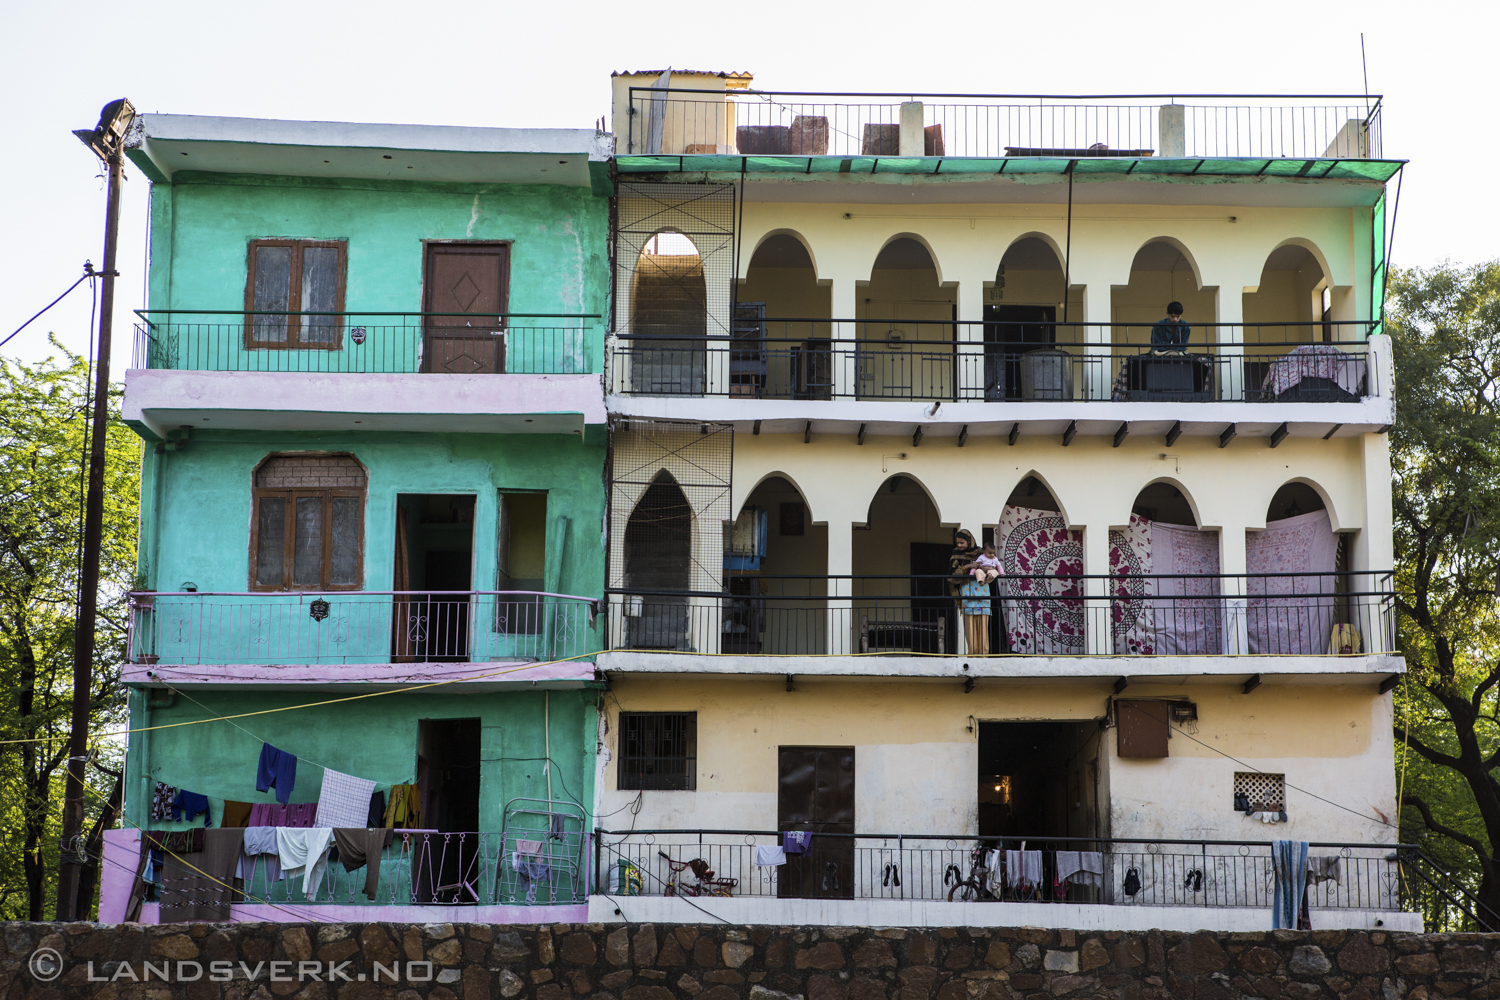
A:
[1171,334]
[973,596]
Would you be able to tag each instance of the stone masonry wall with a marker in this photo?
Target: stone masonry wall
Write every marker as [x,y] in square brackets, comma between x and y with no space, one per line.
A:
[722,962]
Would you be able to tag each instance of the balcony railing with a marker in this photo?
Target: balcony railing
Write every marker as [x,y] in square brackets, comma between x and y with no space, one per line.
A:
[1283,614]
[188,629]
[684,121]
[809,359]
[367,343]
[936,867]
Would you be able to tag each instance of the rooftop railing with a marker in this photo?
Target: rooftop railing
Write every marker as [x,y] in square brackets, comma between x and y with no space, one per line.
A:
[966,868]
[971,361]
[336,627]
[367,343]
[1283,614]
[686,121]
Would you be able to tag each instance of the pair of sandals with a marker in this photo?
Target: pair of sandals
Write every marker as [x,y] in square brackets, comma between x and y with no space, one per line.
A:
[892,875]
[1194,880]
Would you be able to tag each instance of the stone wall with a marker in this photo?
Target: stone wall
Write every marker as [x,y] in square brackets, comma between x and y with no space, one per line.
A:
[723,962]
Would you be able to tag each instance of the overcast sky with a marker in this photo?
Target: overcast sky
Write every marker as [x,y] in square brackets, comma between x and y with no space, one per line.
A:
[548,64]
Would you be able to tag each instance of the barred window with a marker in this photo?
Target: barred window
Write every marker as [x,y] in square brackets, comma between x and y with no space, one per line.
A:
[658,750]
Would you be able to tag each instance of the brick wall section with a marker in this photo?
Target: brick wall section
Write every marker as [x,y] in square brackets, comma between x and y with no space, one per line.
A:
[293,472]
[720,962]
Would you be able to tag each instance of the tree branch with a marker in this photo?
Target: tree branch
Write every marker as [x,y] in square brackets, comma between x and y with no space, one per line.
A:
[1472,843]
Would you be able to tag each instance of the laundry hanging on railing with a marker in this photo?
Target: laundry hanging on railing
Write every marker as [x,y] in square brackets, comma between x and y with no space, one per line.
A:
[1042,616]
[1189,618]
[277,769]
[1131,626]
[1291,615]
[344,800]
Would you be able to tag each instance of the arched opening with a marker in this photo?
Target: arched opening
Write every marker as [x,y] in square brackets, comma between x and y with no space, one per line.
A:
[776,570]
[1157,359]
[1042,562]
[1298,603]
[1021,312]
[1289,333]
[900,558]
[905,329]
[658,559]
[781,331]
[1167,600]
[668,318]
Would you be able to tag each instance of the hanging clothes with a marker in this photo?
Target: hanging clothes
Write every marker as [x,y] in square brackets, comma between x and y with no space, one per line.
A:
[304,852]
[236,813]
[376,816]
[1292,615]
[198,885]
[770,857]
[405,809]
[344,800]
[1081,867]
[277,769]
[190,804]
[1024,868]
[260,843]
[1041,591]
[1188,616]
[296,814]
[363,848]
[1289,871]
[796,841]
[161,800]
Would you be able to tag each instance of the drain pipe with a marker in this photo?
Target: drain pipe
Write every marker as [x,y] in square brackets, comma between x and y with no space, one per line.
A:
[547,738]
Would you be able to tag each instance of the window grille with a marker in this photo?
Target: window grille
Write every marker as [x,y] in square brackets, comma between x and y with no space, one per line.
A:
[658,750]
[1260,791]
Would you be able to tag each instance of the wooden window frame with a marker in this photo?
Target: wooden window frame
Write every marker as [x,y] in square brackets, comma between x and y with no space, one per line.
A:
[293,340]
[288,558]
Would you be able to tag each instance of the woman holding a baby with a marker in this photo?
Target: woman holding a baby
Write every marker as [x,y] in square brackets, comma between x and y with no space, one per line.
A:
[974,569]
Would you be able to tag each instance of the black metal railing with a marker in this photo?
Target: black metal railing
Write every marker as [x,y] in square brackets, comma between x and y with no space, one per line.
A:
[688,121]
[969,868]
[367,342]
[1285,614]
[928,360]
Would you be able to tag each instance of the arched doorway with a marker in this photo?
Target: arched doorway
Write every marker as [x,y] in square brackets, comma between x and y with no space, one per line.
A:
[668,318]
[1160,274]
[658,561]
[1176,607]
[905,336]
[1021,317]
[1297,598]
[776,571]
[1291,312]
[781,331]
[902,597]
[1041,589]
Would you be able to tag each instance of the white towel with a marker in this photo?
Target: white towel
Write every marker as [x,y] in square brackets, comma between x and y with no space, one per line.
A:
[304,851]
[770,856]
[1081,867]
[1024,866]
[344,800]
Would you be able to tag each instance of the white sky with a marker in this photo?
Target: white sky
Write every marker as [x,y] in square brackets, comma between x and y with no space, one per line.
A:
[452,62]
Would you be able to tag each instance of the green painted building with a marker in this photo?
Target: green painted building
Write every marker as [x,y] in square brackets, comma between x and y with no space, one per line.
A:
[369,392]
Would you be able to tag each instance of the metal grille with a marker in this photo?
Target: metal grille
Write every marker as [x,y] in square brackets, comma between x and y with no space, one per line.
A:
[658,750]
[674,279]
[1261,790]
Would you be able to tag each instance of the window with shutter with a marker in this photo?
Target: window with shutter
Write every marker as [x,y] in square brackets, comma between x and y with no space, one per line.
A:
[290,289]
[308,523]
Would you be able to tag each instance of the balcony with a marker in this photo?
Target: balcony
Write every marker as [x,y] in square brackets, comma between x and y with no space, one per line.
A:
[941,867]
[1263,135]
[229,370]
[1139,616]
[393,636]
[810,359]
[366,343]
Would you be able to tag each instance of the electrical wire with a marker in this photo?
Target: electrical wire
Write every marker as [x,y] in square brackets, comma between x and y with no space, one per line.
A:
[88,271]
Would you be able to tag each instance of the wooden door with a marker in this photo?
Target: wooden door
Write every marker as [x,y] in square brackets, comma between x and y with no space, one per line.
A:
[466,287]
[815,792]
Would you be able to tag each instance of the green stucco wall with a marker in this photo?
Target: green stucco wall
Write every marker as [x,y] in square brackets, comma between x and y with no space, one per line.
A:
[373,738]
[203,519]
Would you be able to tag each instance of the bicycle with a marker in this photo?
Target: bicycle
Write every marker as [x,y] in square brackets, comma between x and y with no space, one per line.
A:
[975,887]
[704,883]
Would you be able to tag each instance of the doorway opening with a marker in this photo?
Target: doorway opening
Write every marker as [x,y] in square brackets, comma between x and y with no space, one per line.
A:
[1011,332]
[1037,779]
[815,794]
[445,869]
[433,577]
[658,561]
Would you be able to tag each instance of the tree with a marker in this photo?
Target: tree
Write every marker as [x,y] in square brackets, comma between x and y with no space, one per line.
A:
[44,416]
[1445,458]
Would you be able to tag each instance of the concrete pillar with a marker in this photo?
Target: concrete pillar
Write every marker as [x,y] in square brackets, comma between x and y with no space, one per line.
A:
[1373,550]
[844,298]
[840,564]
[970,334]
[1231,562]
[1171,130]
[1229,354]
[912,141]
[1098,641]
[1096,334]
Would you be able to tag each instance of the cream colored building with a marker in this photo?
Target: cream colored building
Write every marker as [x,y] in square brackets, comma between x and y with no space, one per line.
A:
[845,328]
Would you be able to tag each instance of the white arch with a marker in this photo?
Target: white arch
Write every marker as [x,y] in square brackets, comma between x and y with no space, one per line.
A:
[1046,238]
[1176,483]
[794,234]
[1062,508]
[920,485]
[1181,247]
[777,475]
[937,265]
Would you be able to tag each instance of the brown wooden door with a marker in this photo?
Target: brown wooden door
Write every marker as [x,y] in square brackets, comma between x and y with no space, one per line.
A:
[815,791]
[472,279]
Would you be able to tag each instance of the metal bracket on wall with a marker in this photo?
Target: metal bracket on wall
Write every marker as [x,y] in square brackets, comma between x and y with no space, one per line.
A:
[789,683]
[916,437]
[756,428]
[1121,684]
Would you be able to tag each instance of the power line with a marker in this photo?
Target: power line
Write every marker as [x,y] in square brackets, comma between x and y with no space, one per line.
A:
[88,272]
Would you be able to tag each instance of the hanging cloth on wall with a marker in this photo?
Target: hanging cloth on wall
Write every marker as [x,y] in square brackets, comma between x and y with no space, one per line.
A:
[161,800]
[1291,615]
[190,804]
[344,800]
[304,852]
[1045,616]
[1130,623]
[1189,617]
[1289,870]
[277,769]
[405,809]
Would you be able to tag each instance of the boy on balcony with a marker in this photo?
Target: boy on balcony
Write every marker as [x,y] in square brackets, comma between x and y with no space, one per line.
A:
[1171,334]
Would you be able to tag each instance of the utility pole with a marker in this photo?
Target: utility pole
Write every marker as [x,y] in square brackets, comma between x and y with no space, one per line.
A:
[107,140]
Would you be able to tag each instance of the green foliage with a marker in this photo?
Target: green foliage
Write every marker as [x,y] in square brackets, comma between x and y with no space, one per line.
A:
[44,420]
[1445,332]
